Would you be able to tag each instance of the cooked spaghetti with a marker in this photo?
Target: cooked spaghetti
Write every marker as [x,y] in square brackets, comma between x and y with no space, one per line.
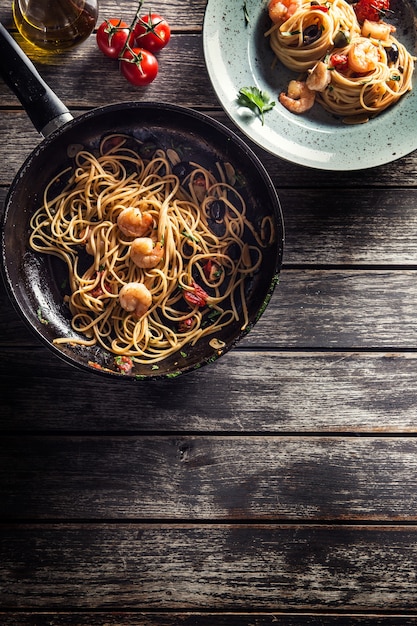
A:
[308,35]
[353,69]
[351,95]
[156,258]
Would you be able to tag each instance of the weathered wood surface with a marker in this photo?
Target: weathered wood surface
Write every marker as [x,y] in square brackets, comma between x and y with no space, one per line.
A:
[186,15]
[336,309]
[17,131]
[245,392]
[314,478]
[174,618]
[188,566]
[274,487]
[323,226]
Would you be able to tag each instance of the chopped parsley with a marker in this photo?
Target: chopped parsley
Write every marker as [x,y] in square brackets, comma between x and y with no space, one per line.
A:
[256,100]
[41,317]
[189,236]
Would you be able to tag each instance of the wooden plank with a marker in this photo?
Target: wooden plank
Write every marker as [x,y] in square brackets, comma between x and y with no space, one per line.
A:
[359,309]
[277,392]
[214,567]
[19,138]
[186,14]
[336,227]
[270,391]
[227,478]
[322,208]
[141,618]
[312,309]
[181,71]
[316,232]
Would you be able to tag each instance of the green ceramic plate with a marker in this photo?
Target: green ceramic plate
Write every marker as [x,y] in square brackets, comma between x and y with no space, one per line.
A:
[238,55]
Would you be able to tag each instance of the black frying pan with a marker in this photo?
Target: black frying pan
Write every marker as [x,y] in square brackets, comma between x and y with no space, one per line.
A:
[34,282]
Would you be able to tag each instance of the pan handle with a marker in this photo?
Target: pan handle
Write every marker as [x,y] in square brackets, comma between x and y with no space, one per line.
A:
[42,105]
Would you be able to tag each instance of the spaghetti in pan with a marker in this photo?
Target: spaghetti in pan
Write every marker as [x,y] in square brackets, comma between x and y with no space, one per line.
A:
[158,252]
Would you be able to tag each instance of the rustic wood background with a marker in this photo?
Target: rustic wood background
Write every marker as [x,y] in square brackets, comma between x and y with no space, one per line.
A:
[277,486]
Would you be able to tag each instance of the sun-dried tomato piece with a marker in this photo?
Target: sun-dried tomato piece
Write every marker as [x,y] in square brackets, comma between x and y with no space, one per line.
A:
[124,364]
[198,297]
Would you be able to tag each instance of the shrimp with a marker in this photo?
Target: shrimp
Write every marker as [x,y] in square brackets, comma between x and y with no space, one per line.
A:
[377,30]
[145,253]
[280,10]
[299,98]
[319,77]
[363,57]
[135,298]
[133,223]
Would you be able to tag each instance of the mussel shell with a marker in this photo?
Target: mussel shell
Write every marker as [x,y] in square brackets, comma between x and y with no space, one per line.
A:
[217,210]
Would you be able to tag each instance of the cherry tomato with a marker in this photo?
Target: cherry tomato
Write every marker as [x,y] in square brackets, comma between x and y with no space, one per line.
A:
[112,36]
[138,66]
[372,10]
[151,32]
[340,62]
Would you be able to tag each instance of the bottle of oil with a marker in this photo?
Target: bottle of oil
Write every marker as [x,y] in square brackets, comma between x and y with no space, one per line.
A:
[55,25]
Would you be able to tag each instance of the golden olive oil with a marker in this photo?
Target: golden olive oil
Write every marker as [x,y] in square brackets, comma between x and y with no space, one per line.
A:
[55,25]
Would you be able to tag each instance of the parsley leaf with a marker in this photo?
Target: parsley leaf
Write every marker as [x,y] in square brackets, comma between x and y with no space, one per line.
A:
[256,100]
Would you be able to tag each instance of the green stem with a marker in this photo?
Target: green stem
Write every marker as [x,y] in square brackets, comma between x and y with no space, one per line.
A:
[132,27]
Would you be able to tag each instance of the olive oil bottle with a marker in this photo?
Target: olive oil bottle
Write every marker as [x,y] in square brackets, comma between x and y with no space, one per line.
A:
[55,25]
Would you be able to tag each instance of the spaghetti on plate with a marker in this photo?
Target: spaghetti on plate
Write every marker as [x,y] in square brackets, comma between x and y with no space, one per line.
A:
[354,68]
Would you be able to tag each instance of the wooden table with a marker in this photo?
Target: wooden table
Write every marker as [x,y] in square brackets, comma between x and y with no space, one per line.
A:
[277,486]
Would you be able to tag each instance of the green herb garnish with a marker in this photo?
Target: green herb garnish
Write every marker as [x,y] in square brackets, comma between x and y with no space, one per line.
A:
[189,236]
[214,313]
[256,100]
[41,317]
